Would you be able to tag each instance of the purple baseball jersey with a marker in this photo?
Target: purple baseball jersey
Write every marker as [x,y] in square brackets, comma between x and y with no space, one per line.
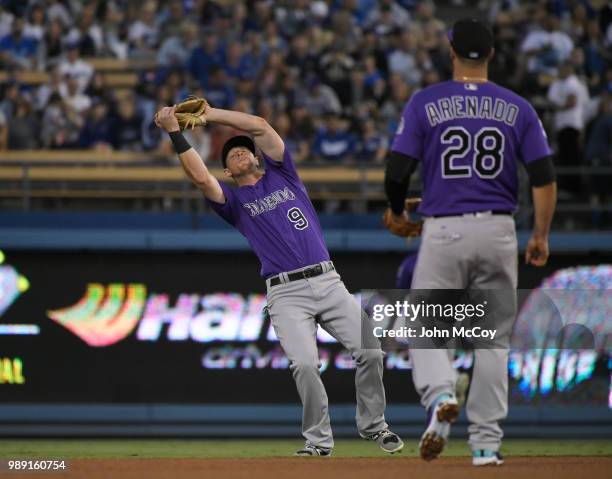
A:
[469,138]
[277,218]
[405,272]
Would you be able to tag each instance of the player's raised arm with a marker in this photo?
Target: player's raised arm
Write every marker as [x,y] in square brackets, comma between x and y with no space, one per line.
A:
[264,135]
[190,160]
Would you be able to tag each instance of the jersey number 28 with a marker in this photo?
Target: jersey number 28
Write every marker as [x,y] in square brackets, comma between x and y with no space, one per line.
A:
[487,147]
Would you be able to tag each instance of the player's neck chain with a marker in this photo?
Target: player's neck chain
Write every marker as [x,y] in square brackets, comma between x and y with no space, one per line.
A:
[474,79]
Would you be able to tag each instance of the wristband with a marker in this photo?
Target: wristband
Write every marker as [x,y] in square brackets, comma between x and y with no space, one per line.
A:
[181,145]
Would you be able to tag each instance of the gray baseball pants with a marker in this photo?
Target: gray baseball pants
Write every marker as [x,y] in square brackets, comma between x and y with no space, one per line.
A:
[475,251]
[296,308]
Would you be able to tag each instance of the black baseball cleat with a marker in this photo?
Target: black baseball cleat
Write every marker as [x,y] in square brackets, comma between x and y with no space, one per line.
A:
[388,441]
[313,451]
[442,414]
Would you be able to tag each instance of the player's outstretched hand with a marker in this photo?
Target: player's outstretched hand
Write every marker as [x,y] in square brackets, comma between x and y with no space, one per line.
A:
[536,253]
[165,119]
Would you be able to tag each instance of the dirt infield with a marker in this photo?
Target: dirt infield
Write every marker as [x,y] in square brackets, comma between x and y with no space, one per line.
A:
[336,468]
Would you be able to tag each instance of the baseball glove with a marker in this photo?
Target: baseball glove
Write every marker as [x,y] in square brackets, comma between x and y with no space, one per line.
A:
[188,112]
[404,226]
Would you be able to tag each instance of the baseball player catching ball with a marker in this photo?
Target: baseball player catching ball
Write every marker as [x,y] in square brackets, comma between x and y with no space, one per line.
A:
[271,208]
[469,135]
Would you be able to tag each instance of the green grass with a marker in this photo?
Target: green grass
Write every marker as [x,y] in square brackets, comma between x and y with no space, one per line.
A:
[171,448]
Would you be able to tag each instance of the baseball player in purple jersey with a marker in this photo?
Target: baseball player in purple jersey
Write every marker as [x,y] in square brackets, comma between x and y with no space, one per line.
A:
[469,135]
[271,208]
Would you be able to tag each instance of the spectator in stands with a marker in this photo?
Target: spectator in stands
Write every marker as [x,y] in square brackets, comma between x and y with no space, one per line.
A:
[402,60]
[430,77]
[335,67]
[297,146]
[424,64]
[56,10]
[568,97]
[346,32]
[126,131]
[99,89]
[595,56]
[205,57]
[425,23]
[503,68]
[3,132]
[6,21]
[73,66]
[235,62]
[60,124]
[391,109]
[54,85]
[373,144]
[577,22]
[599,154]
[35,25]
[23,128]
[114,32]
[387,15]
[8,105]
[375,86]
[175,50]
[299,58]
[231,22]
[292,18]
[87,34]
[272,38]
[219,92]
[255,56]
[260,15]
[96,132]
[546,47]
[372,45]
[175,81]
[334,142]
[172,19]
[206,12]
[143,34]
[319,98]
[52,47]
[16,49]
[73,96]
[272,75]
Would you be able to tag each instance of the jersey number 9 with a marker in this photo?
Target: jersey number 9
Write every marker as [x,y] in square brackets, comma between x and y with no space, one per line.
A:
[298,219]
[487,146]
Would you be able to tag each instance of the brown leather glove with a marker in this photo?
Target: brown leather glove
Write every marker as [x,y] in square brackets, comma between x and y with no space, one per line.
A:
[403,225]
[188,112]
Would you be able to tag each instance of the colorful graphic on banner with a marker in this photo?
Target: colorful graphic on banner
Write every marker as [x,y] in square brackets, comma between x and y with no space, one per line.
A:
[11,371]
[105,315]
[13,285]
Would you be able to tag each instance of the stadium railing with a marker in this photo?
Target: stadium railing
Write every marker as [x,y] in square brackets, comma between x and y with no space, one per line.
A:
[92,174]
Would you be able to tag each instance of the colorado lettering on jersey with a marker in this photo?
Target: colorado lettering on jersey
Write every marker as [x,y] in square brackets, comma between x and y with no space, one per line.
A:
[460,106]
[269,202]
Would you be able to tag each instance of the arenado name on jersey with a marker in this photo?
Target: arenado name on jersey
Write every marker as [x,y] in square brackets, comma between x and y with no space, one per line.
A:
[479,107]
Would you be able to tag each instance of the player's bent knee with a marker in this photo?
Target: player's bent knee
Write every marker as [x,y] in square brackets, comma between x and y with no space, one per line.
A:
[304,367]
[365,356]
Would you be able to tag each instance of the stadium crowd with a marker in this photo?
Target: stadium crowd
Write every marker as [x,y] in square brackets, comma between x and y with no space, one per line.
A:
[332,76]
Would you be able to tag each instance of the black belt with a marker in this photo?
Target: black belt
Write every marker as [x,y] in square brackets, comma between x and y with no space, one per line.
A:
[494,212]
[305,273]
